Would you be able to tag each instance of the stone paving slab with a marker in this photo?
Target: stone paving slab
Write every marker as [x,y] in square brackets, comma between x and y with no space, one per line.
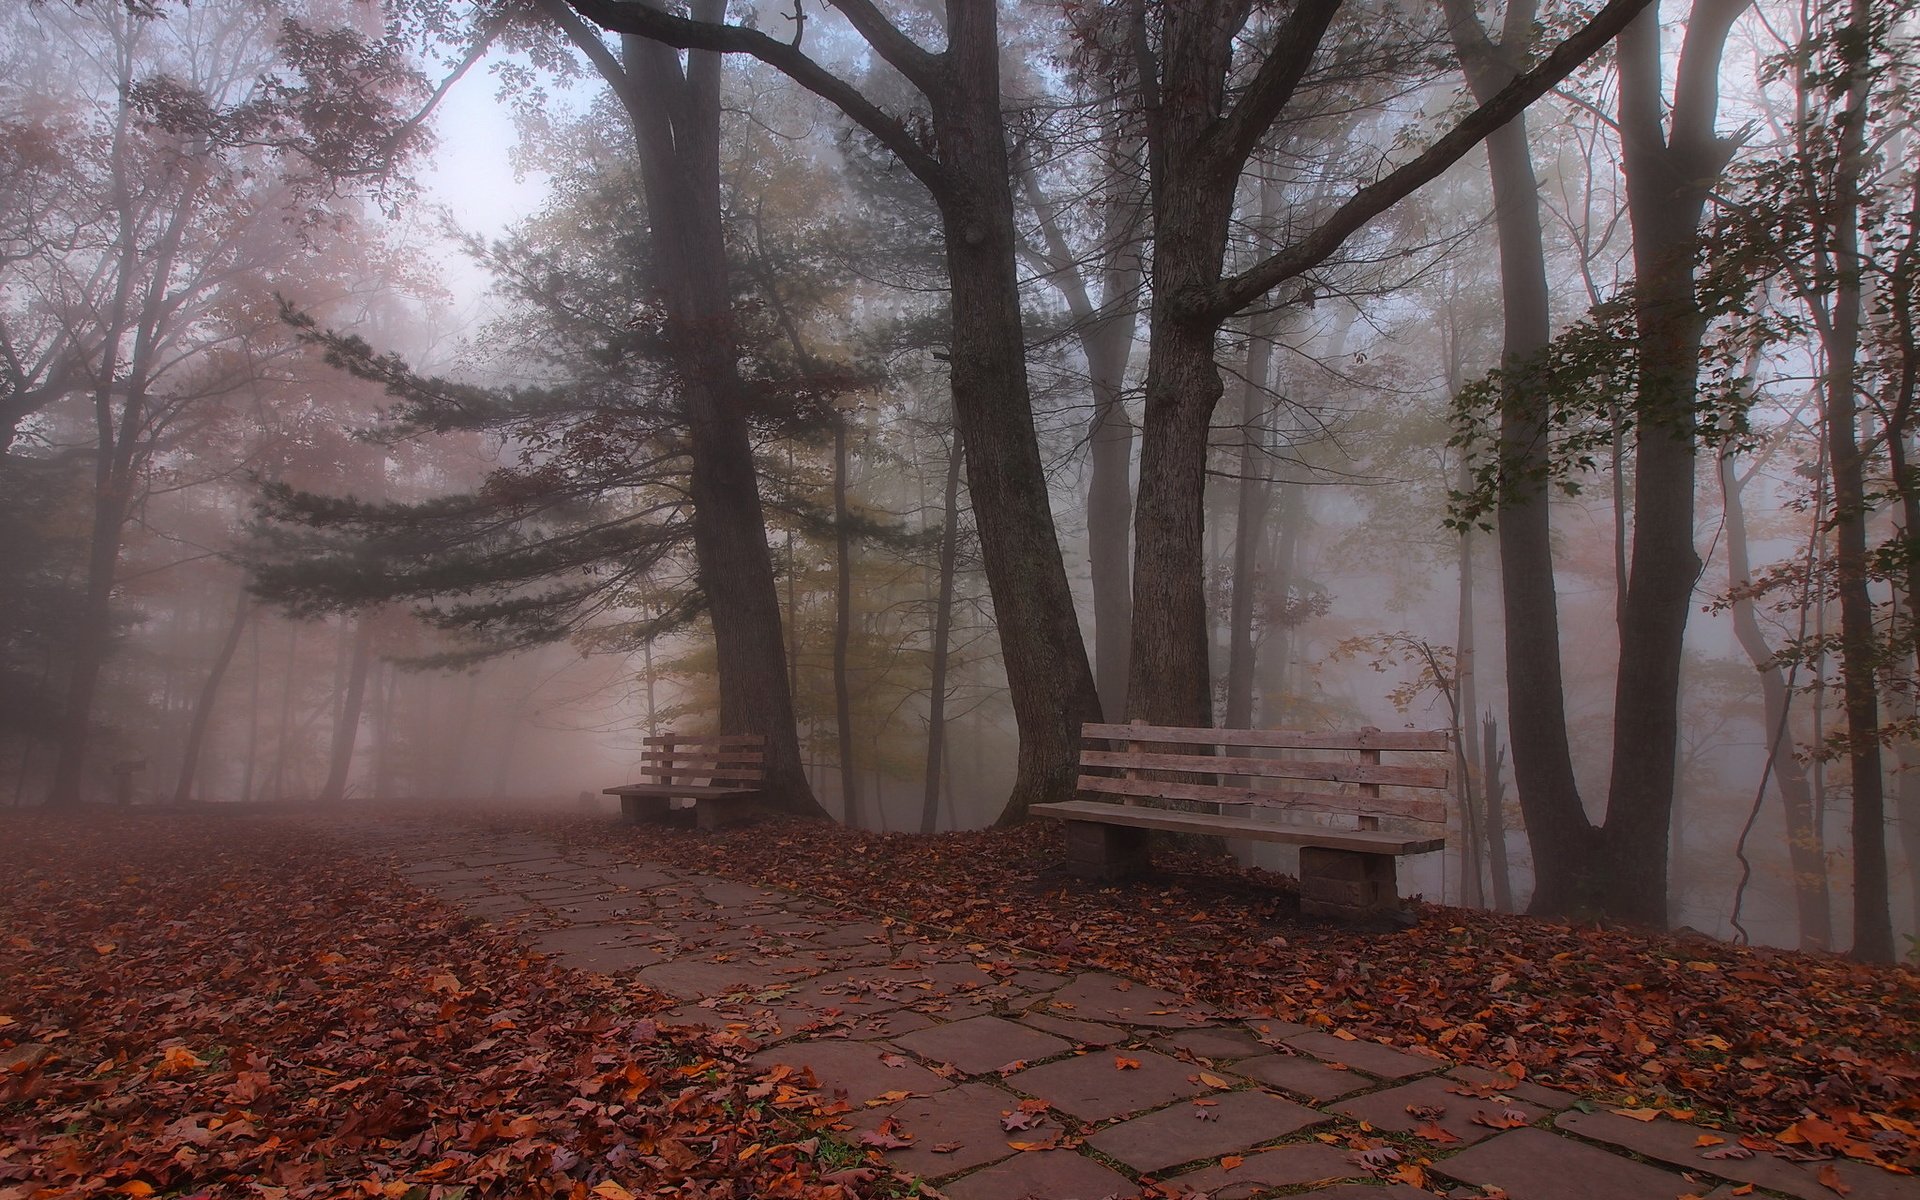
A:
[1287,1166]
[1426,1103]
[1221,1124]
[1306,1077]
[1095,1086]
[1532,1164]
[878,1013]
[1043,1175]
[1677,1143]
[978,1045]
[952,1131]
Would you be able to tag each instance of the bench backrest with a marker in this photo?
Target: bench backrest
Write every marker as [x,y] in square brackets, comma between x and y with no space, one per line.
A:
[722,760]
[1158,762]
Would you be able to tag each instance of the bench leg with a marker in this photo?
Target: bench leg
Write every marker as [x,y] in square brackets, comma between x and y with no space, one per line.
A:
[710,813]
[637,810]
[1106,852]
[1347,885]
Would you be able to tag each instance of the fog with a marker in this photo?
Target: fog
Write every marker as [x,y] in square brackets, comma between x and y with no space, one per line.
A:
[424,413]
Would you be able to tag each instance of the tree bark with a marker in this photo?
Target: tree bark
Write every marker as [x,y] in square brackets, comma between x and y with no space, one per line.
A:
[942,636]
[209,691]
[1557,825]
[346,728]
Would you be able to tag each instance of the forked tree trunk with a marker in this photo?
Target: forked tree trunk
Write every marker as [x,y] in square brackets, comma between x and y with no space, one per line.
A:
[346,727]
[209,691]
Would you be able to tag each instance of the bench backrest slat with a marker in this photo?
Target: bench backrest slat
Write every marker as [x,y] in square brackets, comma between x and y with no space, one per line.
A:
[1407,808]
[1272,768]
[1274,739]
[733,758]
[1209,777]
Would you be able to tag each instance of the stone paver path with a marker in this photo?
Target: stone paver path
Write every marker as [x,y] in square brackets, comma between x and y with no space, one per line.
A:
[1008,1079]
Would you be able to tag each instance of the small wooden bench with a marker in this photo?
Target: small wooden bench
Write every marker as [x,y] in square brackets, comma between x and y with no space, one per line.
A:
[722,775]
[1345,873]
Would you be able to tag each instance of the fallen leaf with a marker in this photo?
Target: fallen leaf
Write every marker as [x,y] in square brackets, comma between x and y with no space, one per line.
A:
[1830,1179]
[1123,1063]
[1231,1161]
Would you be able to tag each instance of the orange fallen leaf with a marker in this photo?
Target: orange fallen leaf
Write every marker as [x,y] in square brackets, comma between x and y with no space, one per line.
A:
[1638,1114]
[1231,1161]
[1123,1063]
[1830,1179]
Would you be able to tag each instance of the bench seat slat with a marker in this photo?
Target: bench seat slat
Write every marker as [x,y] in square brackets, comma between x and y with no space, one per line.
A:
[717,774]
[1363,840]
[1273,739]
[744,741]
[670,790]
[1271,768]
[1367,806]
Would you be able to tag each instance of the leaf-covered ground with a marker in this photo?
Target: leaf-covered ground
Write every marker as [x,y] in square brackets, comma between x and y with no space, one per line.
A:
[1815,1053]
[203,1005]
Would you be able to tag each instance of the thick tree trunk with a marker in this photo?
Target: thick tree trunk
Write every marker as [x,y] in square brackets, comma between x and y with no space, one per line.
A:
[1668,175]
[675,113]
[1806,843]
[942,635]
[1557,826]
[209,691]
[1048,676]
[346,726]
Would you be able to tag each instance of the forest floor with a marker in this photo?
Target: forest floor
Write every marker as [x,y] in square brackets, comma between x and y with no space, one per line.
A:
[219,1004]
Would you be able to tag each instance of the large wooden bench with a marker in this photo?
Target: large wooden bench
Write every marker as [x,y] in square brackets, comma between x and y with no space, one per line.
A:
[723,776]
[1347,866]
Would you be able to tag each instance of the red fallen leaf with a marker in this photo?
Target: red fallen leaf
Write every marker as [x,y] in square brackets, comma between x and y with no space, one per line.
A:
[1426,1112]
[1375,1158]
[893,1060]
[1123,1063]
[1729,1151]
[1432,1132]
[851,1176]
[1504,1119]
[1830,1179]
[947,1147]
[1014,1122]
[881,1140]
[1206,1114]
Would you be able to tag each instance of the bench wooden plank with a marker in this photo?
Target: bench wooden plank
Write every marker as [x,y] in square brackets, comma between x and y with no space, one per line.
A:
[727,774]
[1273,739]
[729,757]
[1270,768]
[1376,806]
[1365,841]
[745,741]
[691,791]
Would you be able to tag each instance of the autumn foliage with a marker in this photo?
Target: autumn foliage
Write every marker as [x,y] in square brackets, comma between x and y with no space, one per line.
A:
[209,1007]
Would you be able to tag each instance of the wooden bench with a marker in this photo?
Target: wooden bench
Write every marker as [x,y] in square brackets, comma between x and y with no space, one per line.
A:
[1346,873]
[722,775]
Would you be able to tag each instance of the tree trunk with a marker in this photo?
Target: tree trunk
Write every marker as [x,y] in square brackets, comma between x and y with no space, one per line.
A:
[1806,844]
[203,705]
[843,629]
[1048,676]
[675,118]
[1668,176]
[346,728]
[942,635]
[1557,825]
